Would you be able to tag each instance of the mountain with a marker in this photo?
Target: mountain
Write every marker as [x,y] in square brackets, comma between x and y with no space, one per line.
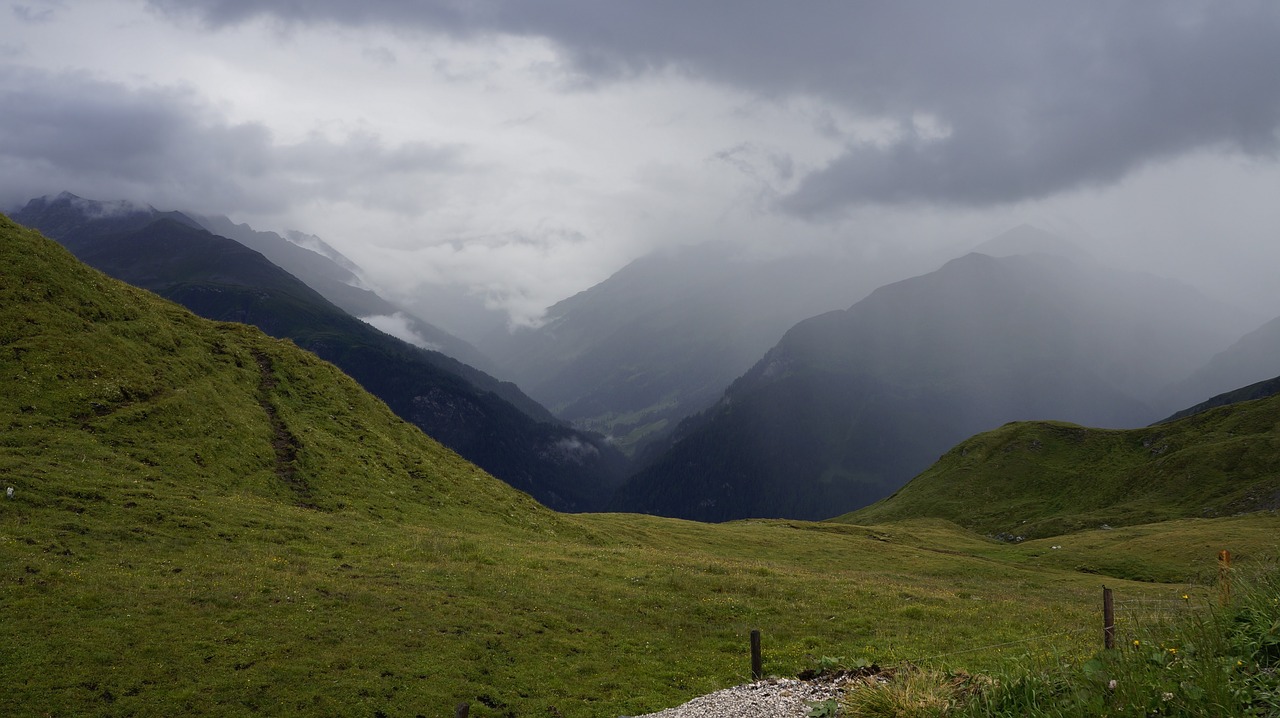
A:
[1034,479]
[851,404]
[1253,358]
[468,411]
[1027,239]
[108,387]
[1259,390]
[306,257]
[662,338]
[337,279]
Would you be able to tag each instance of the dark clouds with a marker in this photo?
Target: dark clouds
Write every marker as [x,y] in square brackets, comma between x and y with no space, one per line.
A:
[164,144]
[1028,98]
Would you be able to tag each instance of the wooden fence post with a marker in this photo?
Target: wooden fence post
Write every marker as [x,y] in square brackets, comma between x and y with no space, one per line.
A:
[1224,577]
[462,711]
[1108,619]
[757,666]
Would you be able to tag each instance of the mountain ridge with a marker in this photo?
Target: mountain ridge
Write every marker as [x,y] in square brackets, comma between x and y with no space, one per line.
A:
[661,338]
[918,365]
[338,279]
[221,279]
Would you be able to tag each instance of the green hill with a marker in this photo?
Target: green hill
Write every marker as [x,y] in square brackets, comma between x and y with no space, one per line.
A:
[1036,479]
[209,521]
[492,423]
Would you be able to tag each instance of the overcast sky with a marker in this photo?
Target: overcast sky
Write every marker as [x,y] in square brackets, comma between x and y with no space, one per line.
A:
[526,150]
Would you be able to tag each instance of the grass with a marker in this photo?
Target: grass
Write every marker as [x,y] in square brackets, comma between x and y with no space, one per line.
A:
[1206,660]
[1039,479]
[162,555]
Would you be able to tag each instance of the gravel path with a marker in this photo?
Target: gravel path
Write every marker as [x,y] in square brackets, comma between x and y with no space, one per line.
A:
[772,698]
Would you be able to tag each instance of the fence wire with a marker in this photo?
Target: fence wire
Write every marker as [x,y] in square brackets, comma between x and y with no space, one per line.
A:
[1001,645]
[1132,608]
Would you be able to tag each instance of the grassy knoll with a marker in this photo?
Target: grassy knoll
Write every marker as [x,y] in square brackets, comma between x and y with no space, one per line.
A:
[207,521]
[1038,479]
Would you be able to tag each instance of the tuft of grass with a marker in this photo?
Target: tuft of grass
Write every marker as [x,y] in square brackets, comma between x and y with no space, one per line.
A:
[910,693]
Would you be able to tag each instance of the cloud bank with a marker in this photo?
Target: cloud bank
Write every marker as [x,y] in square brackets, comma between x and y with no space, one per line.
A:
[1034,98]
[167,144]
[517,152]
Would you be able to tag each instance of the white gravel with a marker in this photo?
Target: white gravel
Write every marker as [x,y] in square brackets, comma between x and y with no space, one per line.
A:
[772,698]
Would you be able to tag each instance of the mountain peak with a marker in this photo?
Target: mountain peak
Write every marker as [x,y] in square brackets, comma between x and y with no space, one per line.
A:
[77,221]
[1028,239]
[90,208]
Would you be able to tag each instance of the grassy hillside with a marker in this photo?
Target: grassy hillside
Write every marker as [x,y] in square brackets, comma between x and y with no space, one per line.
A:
[491,423]
[1037,479]
[208,521]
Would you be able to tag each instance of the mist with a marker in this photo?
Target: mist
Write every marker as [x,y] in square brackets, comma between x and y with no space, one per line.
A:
[482,164]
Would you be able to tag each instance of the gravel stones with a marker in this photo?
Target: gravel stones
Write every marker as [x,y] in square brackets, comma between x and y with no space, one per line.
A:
[771,698]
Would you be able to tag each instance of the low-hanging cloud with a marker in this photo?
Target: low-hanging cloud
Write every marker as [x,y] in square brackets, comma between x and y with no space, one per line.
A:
[400,326]
[167,145]
[1038,98]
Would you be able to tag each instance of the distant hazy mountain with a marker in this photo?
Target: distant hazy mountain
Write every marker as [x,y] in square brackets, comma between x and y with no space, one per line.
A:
[1258,390]
[337,279]
[222,279]
[1026,239]
[851,404]
[663,337]
[1254,358]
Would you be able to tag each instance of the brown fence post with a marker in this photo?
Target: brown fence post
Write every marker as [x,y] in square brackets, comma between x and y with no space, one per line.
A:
[462,711]
[1224,577]
[1108,619]
[757,666]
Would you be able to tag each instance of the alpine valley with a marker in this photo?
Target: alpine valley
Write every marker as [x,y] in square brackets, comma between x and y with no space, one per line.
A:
[206,520]
[700,384]
[563,359]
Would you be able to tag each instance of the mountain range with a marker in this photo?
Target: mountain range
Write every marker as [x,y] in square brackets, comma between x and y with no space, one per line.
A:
[338,279]
[665,358]
[1253,358]
[851,404]
[661,338]
[490,422]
